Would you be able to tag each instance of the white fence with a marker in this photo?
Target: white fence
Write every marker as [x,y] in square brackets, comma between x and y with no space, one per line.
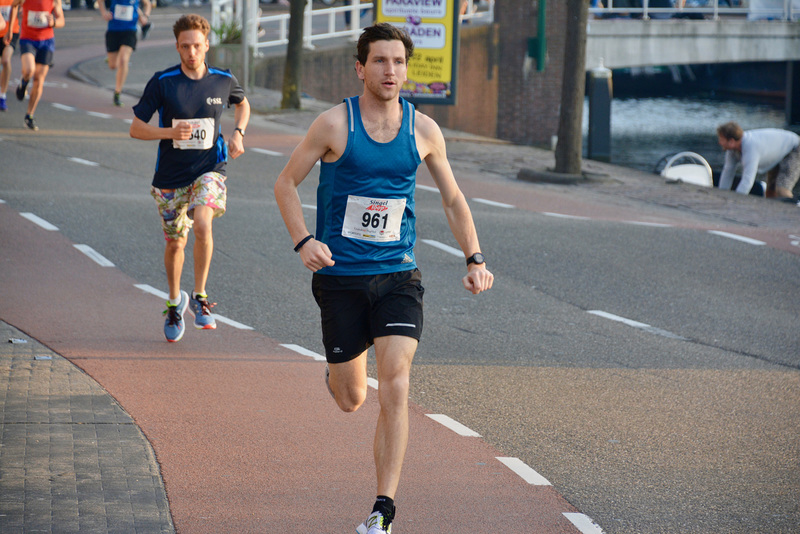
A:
[319,24]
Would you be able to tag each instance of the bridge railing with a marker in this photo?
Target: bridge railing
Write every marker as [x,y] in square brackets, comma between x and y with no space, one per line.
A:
[701,9]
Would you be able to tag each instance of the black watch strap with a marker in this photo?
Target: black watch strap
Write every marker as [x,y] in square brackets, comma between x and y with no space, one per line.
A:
[476,258]
[239,130]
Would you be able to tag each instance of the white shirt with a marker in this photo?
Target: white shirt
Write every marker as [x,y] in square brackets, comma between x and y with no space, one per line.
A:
[762,150]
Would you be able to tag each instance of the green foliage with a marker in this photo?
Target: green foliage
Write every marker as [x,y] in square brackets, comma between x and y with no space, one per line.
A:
[229,32]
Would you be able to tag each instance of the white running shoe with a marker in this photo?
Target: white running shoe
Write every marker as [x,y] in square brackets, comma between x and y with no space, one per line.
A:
[376,523]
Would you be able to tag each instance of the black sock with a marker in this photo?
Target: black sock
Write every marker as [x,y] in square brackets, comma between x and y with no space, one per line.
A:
[385,506]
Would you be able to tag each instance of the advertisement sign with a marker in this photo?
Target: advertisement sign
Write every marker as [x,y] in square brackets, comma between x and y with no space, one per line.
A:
[433,26]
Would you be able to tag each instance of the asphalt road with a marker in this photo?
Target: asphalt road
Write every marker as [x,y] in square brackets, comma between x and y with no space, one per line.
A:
[683,419]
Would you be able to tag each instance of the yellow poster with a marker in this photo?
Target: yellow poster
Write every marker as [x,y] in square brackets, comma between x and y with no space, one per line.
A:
[433,26]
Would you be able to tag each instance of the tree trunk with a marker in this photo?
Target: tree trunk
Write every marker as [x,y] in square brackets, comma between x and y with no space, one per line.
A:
[570,123]
[293,71]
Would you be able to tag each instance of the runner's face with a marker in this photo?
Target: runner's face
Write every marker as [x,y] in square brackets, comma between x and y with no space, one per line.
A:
[192,46]
[386,70]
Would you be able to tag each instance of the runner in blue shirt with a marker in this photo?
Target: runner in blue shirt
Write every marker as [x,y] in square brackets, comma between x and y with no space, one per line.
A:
[122,17]
[189,182]
[365,280]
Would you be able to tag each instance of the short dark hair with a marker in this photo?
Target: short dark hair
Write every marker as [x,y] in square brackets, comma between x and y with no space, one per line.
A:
[191,22]
[730,130]
[382,31]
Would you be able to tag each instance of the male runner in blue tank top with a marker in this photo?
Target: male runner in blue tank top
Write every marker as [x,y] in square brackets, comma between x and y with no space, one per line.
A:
[123,17]
[365,280]
[189,182]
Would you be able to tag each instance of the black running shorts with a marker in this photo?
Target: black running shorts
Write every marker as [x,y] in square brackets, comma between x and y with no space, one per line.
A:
[115,40]
[357,309]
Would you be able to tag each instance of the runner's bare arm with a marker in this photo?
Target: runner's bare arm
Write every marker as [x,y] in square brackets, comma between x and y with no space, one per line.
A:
[241,115]
[58,15]
[319,142]
[147,132]
[431,145]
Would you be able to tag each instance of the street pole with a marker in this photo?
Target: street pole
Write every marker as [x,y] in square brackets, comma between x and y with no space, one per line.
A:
[570,124]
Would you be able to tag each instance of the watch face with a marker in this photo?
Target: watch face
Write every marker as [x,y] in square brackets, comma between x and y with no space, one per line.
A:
[476,258]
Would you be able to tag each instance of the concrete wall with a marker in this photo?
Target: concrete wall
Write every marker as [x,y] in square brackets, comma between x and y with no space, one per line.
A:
[640,43]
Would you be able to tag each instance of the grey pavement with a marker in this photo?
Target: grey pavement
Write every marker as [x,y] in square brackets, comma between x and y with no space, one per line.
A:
[72,460]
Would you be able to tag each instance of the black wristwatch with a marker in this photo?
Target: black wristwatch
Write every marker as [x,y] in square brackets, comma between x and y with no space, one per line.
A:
[476,258]
[240,131]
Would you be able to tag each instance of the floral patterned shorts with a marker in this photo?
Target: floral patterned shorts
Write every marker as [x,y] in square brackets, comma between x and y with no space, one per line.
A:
[176,206]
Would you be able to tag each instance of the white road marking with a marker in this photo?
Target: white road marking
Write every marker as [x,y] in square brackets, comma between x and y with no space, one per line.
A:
[654,225]
[100,115]
[2,201]
[371,382]
[563,216]
[453,425]
[737,237]
[63,107]
[222,319]
[267,152]
[95,256]
[427,188]
[526,473]
[583,523]
[304,351]
[84,162]
[39,221]
[442,246]
[153,291]
[637,324]
[231,322]
[309,206]
[493,203]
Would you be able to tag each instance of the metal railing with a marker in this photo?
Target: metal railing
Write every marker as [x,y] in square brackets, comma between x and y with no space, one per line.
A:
[706,9]
[273,30]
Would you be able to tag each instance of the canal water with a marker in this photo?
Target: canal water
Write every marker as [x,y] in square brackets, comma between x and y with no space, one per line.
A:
[644,130]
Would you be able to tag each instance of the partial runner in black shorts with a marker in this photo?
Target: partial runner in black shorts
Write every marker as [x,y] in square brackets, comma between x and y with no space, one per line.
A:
[357,309]
[114,40]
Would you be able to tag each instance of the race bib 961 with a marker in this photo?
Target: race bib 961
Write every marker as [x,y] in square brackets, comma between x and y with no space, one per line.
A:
[373,219]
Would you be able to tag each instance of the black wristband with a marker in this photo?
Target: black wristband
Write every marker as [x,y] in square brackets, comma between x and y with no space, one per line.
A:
[302,242]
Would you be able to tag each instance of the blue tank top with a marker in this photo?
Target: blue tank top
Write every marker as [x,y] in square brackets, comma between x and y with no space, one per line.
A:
[125,15]
[365,200]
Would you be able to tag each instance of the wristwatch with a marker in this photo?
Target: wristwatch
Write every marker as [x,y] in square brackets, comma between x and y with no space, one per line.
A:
[239,130]
[476,258]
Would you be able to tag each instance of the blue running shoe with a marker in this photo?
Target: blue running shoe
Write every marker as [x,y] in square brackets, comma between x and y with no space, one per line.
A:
[3,105]
[174,327]
[203,320]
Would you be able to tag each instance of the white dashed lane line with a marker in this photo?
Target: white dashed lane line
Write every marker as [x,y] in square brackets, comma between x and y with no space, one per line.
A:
[95,256]
[637,324]
[99,115]
[40,222]
[266,152]
[63,107]
[494,203]
[441,246]
[737,237]
[524,471]
[84,162]
[583,523]
[304,351]
[453,425]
